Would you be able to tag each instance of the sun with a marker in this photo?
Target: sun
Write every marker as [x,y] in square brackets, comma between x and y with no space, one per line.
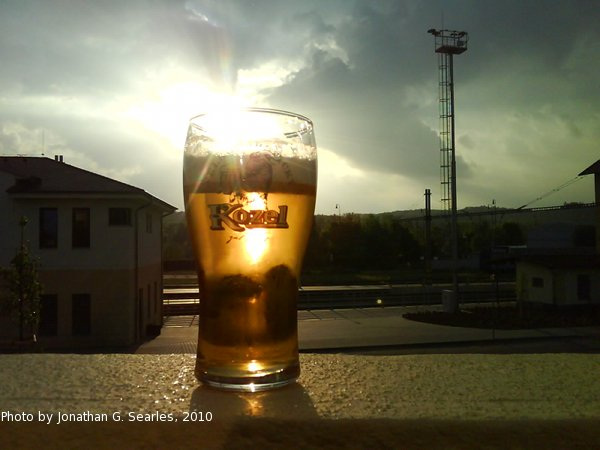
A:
[256,239]
[167,112]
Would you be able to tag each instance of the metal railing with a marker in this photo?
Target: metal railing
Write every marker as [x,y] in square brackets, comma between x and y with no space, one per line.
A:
[182,301]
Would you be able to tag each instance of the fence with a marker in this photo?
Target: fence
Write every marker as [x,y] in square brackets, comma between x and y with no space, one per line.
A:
[184,301]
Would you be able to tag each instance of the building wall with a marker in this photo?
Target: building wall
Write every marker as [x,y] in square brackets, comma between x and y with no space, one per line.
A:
[552,235]
[9,222]
[125,297]
[150,286]
[110,294]
[597,208]
[150,237]
[8,326]
[560,287]
[529,277]
[150,303]
[111,247]
[571,286]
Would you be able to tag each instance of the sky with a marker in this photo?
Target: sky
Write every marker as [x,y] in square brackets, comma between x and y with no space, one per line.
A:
[111,85]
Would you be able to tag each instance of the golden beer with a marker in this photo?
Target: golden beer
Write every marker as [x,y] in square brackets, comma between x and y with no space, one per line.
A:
[249,210]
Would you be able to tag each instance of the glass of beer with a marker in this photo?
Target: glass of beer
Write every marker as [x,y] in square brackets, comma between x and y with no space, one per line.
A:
[249,180]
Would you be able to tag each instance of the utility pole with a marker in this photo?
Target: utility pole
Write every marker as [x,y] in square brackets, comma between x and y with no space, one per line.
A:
[427,236]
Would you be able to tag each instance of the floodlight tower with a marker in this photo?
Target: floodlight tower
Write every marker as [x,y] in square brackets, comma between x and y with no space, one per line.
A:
[447,44]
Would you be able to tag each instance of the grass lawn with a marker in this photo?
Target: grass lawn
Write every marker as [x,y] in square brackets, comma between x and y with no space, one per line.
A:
[508,317]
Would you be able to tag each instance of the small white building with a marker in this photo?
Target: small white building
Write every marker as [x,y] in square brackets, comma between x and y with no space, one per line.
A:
[559,279]
[555,271]
[99,245]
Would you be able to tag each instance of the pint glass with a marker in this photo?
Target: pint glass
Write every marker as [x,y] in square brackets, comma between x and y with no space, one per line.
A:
[249,180]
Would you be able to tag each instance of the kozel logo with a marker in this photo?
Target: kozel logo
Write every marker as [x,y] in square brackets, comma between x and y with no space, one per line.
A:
[238,219]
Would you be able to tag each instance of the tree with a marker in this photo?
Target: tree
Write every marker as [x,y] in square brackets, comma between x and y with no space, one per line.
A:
[377,244]
[510,233]
[345,238]
[405,246]
[317,249]
[24,288]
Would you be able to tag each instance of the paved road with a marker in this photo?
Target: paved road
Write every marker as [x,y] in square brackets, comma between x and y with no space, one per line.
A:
[385,331]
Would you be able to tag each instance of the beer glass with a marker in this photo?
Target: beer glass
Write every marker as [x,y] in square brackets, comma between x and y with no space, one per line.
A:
[249,180]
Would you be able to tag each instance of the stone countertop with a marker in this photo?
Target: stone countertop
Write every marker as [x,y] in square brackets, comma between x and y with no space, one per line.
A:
[339,400]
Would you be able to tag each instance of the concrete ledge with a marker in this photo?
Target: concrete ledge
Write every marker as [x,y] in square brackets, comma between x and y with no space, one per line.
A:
[358,400]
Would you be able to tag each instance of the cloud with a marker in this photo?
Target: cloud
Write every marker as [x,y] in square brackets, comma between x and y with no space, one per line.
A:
[111,84]
[367,107]
[360,190]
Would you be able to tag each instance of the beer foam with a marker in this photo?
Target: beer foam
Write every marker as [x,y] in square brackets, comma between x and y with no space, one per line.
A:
[251,172]
[293,146]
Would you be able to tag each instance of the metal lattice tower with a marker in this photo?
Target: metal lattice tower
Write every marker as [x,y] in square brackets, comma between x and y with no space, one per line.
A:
[447,44]
[446,130]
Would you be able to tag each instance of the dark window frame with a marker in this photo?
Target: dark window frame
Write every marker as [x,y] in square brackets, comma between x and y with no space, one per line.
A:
[81,231]
[48,325]
[48,228]
[81,315]
[537,282]
[584,286]
[119,217]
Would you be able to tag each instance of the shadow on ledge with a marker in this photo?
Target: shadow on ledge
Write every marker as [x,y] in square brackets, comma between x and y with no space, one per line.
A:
[289,402]
[252,432]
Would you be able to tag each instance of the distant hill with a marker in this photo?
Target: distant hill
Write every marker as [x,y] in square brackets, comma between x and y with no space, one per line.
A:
[174,219]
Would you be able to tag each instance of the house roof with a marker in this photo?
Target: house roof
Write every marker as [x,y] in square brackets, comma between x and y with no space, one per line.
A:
[563,261]
[41,175]
[594,168]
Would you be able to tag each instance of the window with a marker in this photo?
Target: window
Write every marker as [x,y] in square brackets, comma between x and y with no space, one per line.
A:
[148,223]
[48,315]
[119,216]
[48,228]
[81,315]
[584,287]
[81,227]
[537,282]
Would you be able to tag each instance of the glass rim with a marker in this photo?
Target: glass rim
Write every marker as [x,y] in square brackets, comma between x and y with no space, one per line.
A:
[260,110]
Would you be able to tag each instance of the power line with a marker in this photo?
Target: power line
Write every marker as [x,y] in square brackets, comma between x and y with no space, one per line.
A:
[501,211]
[556,189]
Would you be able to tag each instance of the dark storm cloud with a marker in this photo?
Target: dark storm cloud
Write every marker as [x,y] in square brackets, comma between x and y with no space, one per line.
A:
[360,104]
[536,60]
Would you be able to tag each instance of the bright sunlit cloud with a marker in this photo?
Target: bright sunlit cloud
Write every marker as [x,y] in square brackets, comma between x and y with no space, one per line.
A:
[168,113]
[171,99]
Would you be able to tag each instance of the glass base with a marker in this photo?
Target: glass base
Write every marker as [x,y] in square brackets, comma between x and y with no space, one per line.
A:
[250,383]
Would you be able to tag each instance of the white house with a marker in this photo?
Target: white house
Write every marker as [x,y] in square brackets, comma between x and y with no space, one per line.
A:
[559,279]
[554,270]
[99,245]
